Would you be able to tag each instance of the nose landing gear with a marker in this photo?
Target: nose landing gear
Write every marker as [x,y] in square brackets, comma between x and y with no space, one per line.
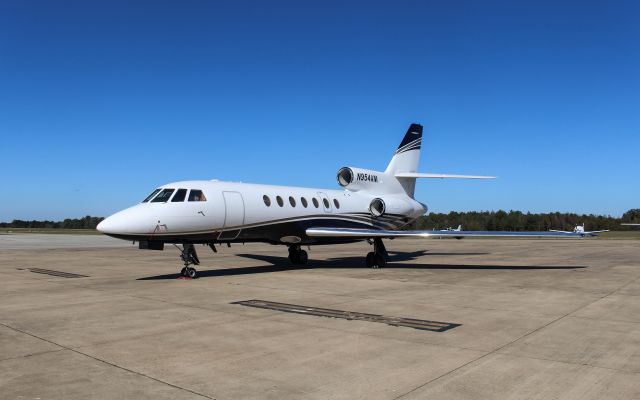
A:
[189,257]
[297,255]
[379,256]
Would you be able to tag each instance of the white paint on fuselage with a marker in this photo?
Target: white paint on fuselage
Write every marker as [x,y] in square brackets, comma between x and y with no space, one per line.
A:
[184,218]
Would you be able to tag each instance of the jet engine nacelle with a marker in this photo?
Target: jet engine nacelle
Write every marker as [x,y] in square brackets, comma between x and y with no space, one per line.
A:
[394,205]
[355,179]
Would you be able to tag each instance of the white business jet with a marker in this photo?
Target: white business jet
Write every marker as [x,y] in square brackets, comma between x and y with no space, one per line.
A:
[579,230]
[372,206]
[450,229]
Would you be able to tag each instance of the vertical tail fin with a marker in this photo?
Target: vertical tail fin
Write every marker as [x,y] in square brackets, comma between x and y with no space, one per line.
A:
[407,157]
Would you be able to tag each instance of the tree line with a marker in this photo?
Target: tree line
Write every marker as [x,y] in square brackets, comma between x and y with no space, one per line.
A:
[471,220]
[87,222]
[519,221]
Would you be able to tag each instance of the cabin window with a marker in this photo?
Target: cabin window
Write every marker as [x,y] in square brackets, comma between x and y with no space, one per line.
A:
[335,203]
[196,195]
[180,195]
[292,201]
[304,202]
[149,197]
[163,196]
[326,203]
[267,200]
[315,202]
[279,200]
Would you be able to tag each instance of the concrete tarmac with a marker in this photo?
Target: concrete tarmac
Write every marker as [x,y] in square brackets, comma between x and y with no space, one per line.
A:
[539,319]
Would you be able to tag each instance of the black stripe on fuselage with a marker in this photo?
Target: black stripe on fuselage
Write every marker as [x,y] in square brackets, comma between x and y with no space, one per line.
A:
[270,233]
[385,221]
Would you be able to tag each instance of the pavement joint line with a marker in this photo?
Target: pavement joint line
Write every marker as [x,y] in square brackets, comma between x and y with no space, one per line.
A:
[497,350]
[32,354]
[605,319]
[107,362]
[570,363]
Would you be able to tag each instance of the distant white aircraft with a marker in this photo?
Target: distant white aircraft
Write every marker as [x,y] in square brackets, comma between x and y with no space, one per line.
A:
[458,229]
[373,205]
[579,229]
[630,224]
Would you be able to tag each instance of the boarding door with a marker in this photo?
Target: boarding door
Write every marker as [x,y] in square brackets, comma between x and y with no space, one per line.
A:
[234,215]
[324,199]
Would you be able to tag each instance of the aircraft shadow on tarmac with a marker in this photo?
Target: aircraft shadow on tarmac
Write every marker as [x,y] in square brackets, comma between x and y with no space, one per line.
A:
[279,264]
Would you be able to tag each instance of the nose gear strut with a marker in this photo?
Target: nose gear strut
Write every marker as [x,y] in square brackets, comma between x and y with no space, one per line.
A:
[297,255]
[189,257]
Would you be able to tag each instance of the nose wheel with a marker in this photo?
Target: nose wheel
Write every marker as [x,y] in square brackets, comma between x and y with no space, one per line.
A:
[189,272]
[379,256]
[298,256]
[189,257]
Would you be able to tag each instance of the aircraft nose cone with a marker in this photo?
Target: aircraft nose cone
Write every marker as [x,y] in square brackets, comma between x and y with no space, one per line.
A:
[134,220]
[111,225]
[101,226]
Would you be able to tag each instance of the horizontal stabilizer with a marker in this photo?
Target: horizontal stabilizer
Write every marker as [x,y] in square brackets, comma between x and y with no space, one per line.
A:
[441,176]
[375,233]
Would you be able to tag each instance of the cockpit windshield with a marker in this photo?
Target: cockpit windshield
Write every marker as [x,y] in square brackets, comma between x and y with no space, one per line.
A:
[149,197]
[163,196]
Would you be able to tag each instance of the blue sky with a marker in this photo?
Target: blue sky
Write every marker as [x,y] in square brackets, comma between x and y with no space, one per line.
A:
[102,101]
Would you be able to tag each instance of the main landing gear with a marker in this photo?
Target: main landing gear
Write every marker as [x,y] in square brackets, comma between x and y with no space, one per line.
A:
[379,256]
[297,255]
[189,257]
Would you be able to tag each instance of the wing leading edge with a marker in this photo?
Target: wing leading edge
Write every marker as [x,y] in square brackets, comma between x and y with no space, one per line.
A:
[375,233]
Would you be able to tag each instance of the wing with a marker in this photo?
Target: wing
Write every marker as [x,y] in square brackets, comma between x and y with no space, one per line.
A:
[606,230]
[555,230]
[375,233]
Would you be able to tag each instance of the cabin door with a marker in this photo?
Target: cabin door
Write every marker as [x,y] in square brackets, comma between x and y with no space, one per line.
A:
[234,215]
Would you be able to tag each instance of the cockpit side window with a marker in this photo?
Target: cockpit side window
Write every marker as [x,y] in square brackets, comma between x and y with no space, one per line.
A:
[196,195]
[163,196]
[180,195]
[149,197]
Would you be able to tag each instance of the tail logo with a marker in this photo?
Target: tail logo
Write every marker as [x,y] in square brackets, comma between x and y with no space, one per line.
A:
[413,145]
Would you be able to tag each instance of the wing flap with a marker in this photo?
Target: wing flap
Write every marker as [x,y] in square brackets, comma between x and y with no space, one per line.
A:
[375,233]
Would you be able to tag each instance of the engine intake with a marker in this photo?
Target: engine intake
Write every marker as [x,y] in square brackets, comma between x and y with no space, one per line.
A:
[377,207]
[345,176]
[355,179]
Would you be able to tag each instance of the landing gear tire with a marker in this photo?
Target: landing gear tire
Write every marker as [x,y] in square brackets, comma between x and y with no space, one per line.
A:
[298,256]
[183,271]
[371,260]
[191,273]
[293,257]
[380,260]
[303,257]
